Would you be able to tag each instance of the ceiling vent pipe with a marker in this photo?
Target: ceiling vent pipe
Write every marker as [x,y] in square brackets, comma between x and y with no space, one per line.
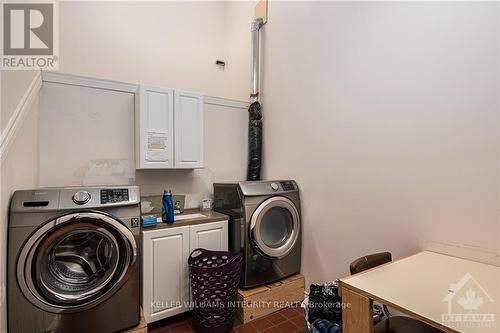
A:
[254,110]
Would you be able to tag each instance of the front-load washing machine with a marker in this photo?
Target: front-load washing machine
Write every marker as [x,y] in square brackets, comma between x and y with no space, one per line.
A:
[264,225]
[73,260]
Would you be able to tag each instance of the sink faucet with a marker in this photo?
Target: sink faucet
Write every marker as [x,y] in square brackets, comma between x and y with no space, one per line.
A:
[177,207]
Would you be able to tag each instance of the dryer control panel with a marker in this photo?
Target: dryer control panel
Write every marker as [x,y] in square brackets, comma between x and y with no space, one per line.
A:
[266,187]
[287,185]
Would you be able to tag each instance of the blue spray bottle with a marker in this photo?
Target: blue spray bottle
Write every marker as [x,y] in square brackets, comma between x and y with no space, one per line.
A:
[168,207]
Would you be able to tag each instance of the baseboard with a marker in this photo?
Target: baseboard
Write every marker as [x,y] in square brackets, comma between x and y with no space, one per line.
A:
[475,253]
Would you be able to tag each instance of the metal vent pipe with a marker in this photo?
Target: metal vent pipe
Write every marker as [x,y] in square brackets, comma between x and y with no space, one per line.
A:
[256,25]
[254,111]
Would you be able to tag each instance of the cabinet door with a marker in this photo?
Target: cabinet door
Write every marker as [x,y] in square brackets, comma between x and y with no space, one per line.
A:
[165,272]
[188,119]
[154,118]
[210,236]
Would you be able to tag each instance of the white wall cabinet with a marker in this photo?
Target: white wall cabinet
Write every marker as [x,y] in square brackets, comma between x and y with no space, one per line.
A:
[188,120]
[169,128]
[166,287]
[154,121]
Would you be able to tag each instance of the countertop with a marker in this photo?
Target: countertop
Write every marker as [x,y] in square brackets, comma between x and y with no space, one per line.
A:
[208,217]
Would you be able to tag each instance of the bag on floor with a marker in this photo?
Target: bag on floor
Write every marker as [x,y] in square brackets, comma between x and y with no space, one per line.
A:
[323,308]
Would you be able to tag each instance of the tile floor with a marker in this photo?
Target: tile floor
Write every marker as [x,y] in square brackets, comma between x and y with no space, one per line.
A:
[289,320]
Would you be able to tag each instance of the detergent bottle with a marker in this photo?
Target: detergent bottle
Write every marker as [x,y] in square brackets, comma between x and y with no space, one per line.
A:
[167,215]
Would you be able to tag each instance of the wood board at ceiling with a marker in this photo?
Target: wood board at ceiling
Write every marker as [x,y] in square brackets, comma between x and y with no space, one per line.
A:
[261,10]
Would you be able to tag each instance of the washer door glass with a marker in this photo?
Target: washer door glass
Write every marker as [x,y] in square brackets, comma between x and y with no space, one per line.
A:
[275,226]
[76,261]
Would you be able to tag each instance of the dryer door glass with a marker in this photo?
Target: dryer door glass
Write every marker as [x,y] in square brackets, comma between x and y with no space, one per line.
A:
[76,261]
[275,226]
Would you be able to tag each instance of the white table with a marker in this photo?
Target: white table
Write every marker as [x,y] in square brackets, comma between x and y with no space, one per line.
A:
[453,294]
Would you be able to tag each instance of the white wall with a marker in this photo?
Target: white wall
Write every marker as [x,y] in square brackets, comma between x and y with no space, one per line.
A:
[13,86]
[386,113]
[87,138]
[237,40]
[17,171]
[169,43]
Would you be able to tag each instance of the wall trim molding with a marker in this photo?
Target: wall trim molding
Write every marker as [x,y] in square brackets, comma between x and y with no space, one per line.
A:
[220,101]
[18,116]
[89,82]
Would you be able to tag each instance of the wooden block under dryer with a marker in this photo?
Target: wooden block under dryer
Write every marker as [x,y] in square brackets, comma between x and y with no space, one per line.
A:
[261,301]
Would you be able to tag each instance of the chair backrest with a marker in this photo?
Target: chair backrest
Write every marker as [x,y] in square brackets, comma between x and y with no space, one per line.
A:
[370,261]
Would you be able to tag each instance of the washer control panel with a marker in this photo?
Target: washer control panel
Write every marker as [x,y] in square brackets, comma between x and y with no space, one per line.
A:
[96,197]
[81,197]
[114,195]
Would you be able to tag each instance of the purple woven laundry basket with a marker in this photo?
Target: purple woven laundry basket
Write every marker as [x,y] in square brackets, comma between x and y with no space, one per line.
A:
[215,277]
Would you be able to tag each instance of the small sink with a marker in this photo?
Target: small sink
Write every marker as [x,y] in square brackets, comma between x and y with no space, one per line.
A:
[185,217]
[188,216]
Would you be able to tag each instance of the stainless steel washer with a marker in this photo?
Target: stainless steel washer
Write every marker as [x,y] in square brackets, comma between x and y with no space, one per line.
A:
[265,225]
[73,260]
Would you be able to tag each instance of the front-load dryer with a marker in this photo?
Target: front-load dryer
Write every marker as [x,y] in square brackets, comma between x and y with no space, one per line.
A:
[73,261]
[265,225]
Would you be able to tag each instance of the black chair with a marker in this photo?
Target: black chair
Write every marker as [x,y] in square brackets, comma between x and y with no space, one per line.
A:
[390,324]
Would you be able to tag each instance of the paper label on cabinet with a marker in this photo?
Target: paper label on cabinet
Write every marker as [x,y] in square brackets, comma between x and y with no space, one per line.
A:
[157,150]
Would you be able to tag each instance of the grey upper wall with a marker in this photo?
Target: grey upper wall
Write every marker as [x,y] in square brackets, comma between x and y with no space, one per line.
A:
[387,115]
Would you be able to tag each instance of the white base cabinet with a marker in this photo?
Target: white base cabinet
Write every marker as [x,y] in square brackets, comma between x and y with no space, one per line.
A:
[165,280]
[165,269]
[210,236]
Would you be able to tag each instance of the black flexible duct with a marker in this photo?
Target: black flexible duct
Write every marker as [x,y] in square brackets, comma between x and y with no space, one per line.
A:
[254,141]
